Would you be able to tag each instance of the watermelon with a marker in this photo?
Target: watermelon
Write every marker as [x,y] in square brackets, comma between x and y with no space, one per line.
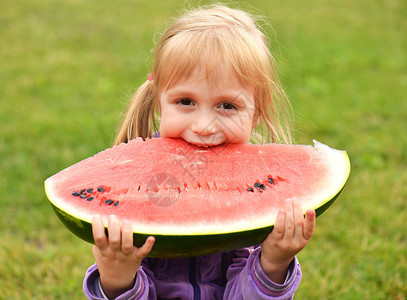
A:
[194,200]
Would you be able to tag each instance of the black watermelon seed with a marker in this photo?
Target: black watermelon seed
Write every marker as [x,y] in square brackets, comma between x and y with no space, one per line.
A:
[91,198]
[116,203]
[90,190]
[271,181]
[100,189]
[75,193]
[250,189]
[83,196]
[108,201]
[257,184]
[262,186]
[82,191]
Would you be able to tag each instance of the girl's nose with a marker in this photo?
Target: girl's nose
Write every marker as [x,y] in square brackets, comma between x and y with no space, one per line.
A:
[205,124]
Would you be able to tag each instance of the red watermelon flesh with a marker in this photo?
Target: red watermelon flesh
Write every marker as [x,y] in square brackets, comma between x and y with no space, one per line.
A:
[168,187]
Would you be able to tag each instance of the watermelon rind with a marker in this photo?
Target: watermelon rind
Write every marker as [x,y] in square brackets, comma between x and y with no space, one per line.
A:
[171,243]
[175,246]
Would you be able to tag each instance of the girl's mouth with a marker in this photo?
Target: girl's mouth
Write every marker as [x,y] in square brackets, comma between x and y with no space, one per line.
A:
[204,145]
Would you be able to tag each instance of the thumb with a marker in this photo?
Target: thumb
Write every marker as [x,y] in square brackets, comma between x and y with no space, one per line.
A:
[144,250]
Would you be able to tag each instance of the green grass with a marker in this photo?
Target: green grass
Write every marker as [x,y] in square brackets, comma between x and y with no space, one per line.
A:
[68,68]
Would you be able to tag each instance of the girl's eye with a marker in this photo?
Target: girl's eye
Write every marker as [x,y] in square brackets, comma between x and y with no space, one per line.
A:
[185,102]
[227,106]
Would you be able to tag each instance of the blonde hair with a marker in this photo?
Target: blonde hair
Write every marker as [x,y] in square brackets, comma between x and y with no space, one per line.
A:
[205,38]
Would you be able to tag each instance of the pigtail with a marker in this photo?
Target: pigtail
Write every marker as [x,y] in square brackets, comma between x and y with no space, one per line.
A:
[139,119]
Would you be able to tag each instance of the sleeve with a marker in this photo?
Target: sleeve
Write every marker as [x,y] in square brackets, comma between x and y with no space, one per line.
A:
[143,288]
[246,279]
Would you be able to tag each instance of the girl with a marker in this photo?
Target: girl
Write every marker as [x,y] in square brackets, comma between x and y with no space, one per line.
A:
[212,82]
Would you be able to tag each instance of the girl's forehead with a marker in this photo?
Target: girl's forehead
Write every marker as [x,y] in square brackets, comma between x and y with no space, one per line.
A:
[222,76]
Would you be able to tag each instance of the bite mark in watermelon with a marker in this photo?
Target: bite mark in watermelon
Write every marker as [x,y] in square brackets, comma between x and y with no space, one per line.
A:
[195,200]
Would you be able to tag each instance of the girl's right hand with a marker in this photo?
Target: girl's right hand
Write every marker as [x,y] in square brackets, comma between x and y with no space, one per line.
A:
[116,257]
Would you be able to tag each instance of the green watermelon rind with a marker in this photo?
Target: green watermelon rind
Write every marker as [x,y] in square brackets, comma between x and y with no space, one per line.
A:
[173,246]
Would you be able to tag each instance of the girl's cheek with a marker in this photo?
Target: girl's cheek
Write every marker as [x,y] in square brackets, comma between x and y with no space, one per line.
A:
[237,133]
[172,127]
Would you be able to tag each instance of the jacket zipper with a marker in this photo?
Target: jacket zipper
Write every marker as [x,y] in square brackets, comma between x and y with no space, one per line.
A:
[192,278]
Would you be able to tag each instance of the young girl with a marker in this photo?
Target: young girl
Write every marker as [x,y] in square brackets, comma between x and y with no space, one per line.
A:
[212,82]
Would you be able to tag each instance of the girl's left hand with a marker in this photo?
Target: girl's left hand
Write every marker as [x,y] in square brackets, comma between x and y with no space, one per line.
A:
[292,232]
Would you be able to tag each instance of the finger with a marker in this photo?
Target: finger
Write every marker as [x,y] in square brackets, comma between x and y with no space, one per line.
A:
[98,231]
[114,231]
[278,230]
[298,219]
[146,248]
[127,237]
[309,224]
[289,219]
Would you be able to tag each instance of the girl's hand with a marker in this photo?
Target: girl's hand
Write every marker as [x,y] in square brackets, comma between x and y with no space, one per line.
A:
[116,257]
[292,232]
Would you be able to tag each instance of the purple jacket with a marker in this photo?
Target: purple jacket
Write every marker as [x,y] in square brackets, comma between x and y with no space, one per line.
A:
[230,275]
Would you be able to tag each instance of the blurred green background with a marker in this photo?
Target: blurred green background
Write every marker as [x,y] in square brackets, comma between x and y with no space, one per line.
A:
[68,69]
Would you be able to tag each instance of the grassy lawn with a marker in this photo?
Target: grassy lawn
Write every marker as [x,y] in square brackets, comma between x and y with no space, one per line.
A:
[68,68]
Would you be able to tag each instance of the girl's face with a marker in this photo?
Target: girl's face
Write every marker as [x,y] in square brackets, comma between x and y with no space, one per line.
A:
[208,113]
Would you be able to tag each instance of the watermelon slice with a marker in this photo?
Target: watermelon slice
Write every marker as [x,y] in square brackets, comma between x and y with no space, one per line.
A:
[195,200]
